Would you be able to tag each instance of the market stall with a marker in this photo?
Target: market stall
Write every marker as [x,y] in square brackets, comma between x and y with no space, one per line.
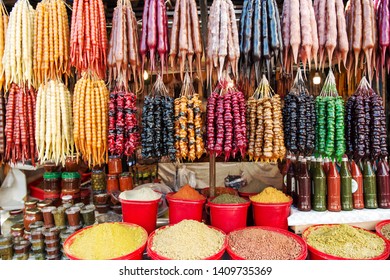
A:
[169,121]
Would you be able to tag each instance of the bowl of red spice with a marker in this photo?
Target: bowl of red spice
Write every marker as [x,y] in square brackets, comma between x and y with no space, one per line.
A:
[187,203]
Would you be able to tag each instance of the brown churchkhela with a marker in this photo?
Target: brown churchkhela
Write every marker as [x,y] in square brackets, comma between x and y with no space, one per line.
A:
[185,37]
[123,48]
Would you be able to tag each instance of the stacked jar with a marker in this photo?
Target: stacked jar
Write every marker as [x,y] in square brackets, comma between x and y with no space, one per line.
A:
[52,187]
[52,243]
[70,185]
[37,243]
[114,169]
[6,248]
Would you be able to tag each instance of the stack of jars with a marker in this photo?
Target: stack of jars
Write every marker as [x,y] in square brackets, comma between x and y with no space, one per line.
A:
[52,243]
[6,248]
[52,187]
[70,184]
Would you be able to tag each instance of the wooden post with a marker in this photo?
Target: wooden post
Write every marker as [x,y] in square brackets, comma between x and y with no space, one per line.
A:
[212,174]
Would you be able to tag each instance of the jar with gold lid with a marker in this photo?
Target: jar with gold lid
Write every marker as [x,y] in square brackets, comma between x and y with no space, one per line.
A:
[17,230]
[31,216]
[44,203]
[30,204]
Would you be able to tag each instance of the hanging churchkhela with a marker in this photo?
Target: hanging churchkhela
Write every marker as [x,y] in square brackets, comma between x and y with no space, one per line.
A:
[330,138]
[366,135]
[188,123]
[265,134]
[226,121]
[299,118]
[260,37]
[157,137]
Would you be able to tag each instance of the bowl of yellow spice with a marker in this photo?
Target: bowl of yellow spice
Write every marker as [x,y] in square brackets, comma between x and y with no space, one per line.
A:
[271,207]
[107,241]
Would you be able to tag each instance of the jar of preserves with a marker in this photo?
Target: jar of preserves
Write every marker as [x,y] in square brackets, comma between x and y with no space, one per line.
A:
[125,182]
[114,165]
[44,203]
[71,181]
[98,181]
[17,230]
[31,216]
[112,183]
[30,204]
[73,215]
[71,164]
[52,182]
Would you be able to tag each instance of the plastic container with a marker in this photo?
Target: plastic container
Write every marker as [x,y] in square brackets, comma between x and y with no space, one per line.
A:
[48,218]
[314,254]
[142,213]
[22,247]
[155,256]
[6,252]
[228,217]
[271,214]
[52,243]
[180,209]
[299,240]
[135,255]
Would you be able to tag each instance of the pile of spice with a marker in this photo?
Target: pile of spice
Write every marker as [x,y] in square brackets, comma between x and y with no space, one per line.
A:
[345,241]
[188,193]
[270,195]
[188,240]
[144,194]
[218,191]
[228,199]
[107,241]
[260,244]
[386,231]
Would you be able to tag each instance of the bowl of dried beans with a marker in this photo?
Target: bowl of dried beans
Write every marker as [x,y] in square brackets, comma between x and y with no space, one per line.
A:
[265,243]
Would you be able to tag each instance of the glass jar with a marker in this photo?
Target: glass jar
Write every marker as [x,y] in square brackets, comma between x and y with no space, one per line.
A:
[17,230]
[98,181]
[112,183]
[114,165]
[71,164]
[16,217]
[30,204]
[50,166]
[44,203]
[6,252]
[52,182]
[88,215]
[125,182]
[71,181]
[31,216]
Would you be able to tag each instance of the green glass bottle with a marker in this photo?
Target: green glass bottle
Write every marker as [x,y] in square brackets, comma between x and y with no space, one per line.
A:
[346,186]
[319,189]
[369,186]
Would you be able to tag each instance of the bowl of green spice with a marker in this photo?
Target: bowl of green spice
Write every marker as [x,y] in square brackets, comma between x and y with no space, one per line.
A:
[344,242]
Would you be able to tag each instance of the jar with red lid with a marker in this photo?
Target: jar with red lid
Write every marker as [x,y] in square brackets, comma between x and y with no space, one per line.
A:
[71,164]
[31,216]
[112,183]
[52,182]
[125,182]
[114,165]
[71,181]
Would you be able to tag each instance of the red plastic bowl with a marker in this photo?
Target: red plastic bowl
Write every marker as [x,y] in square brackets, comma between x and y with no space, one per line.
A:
[155,256]
[378,229]
[135,255]
[318,255]
[302,243]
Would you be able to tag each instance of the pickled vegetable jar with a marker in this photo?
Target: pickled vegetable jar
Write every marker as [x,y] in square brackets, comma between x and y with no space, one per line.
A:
[98,181]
